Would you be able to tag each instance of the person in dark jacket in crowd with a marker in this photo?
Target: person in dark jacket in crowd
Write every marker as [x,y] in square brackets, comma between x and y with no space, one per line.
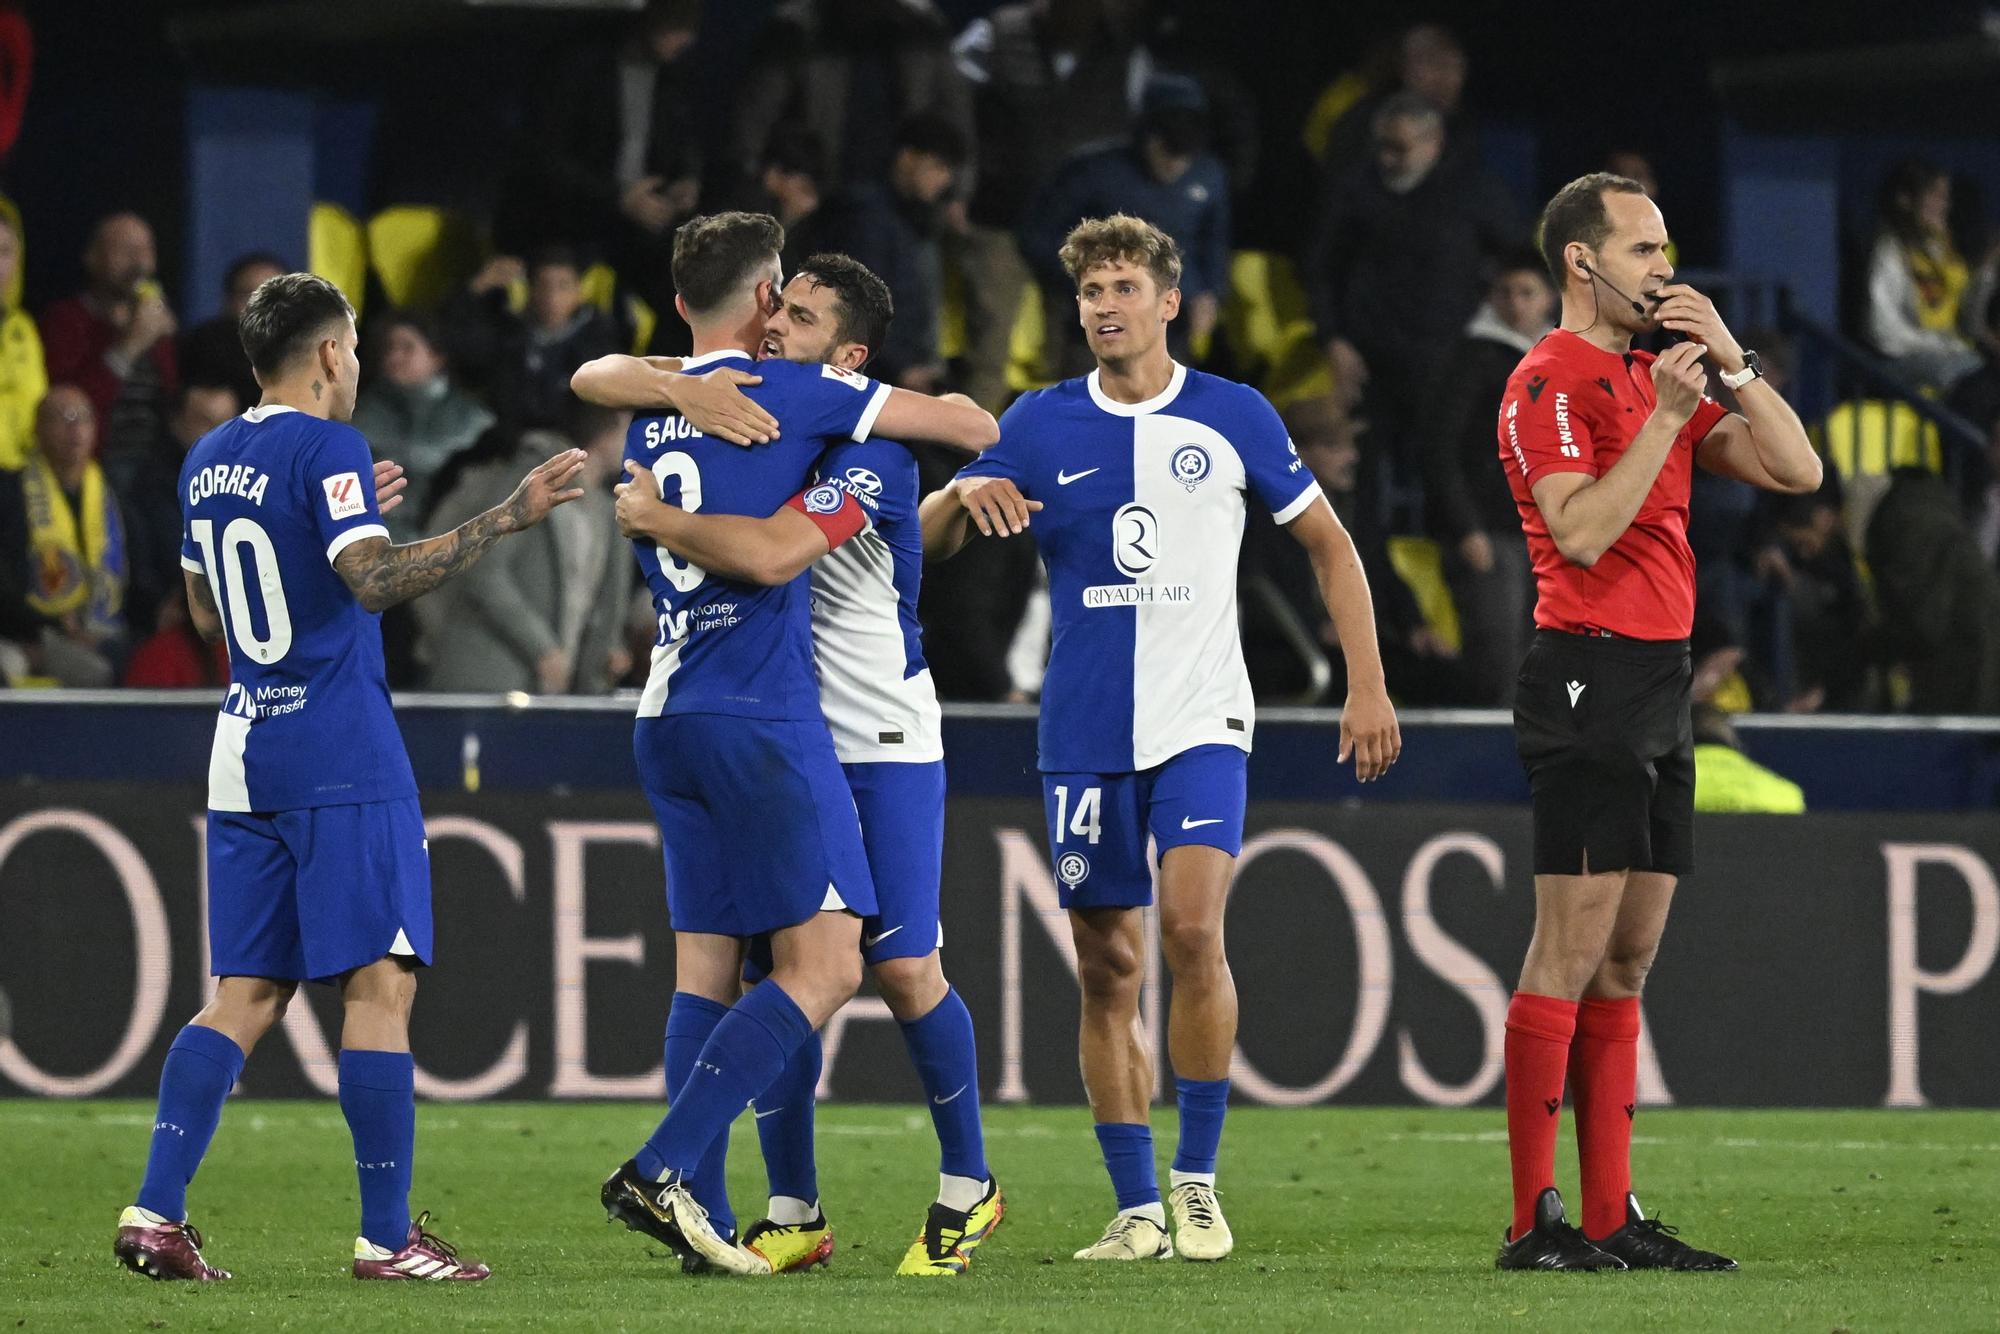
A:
[1164,174]
[525,360]
[1397,263]
[1939,600]
[1471,509]
[411,412]
[212,353]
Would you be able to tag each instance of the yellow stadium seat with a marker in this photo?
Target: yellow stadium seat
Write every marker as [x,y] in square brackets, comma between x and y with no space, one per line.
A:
[1027,346]
[337,250]
[644,321]
[1271,331]
[420,254]
[1419,563]
[951,315]
[1869,437]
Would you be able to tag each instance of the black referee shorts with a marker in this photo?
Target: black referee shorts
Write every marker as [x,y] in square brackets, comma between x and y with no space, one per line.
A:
[1603,730]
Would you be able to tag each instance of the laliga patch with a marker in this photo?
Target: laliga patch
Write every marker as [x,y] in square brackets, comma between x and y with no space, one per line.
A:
[848,378]
[824,500]
[344,496]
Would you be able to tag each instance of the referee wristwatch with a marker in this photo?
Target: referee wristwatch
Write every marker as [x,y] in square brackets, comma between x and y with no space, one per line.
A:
[1753,369]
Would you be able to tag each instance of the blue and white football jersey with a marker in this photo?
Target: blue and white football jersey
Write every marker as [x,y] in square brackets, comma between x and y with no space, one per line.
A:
[1141,527]
[874,685]
[268,499]
[734,648]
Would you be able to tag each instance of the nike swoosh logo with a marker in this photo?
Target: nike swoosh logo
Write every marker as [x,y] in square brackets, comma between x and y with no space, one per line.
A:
[1065,478]
[942,1101]
[872,941]
[1196,824]
[761,1115]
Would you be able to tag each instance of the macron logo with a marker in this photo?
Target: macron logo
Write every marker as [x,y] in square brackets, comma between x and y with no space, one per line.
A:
[1065,478]
[1576,689]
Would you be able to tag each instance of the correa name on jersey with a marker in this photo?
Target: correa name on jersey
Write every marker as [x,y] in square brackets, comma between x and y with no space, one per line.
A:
[1140,531]
[268,499]
[725,647]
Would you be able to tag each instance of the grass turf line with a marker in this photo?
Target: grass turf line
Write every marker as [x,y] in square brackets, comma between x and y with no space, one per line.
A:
[1345,1218]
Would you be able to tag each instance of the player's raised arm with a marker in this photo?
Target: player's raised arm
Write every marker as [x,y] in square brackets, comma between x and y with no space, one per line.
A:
[770,551]
[713,403]
[1368,728]
[948,515]
[381,574]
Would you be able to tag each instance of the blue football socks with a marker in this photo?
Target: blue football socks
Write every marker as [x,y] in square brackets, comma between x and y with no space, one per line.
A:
[1203,1103]
[378,1098]
[202,1066]
[947,1059]
[742,1057]
[1128,1157]
[690,1019]
[784,1114]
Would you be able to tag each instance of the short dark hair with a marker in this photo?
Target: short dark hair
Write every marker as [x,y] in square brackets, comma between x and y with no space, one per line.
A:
[716,253]
[287,315]
[864,306]
[1577,214]
[933,134]
[256,259]
[1514,259]
[556,257]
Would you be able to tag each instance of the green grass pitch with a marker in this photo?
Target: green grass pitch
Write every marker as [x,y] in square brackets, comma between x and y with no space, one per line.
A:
[1344,1219]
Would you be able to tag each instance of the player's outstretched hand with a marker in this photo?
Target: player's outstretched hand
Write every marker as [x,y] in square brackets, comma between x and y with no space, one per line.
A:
[996,505]
[542,490]
[1369,733]
[716,405]
[638,500]
[1679,381]
[389,485]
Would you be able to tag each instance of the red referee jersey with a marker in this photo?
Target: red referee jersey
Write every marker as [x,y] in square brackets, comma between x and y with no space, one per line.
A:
[1572,407]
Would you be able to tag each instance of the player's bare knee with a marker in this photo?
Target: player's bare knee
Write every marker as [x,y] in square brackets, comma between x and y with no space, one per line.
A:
[1192,945]
[1110,974]
[1623,972]
[911,988]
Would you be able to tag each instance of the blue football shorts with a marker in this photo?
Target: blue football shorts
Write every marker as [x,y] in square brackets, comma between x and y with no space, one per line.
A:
[1099,823]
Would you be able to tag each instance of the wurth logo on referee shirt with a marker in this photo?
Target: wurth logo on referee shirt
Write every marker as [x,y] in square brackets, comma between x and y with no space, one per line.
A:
[1563,433]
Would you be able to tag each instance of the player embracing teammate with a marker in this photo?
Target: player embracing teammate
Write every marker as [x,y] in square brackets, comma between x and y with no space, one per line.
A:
[1140,470]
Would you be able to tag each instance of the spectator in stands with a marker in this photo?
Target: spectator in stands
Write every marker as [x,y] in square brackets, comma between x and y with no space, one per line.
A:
[525,360]
[1427,61]
[1917,279]
[1938,598]
[1808,557]
[63,550]
[24,379]
[212,353]
[545,614]
[1047,79]
[892,227]
[791,185]
[153,506]
[611,158]
[1726,779]
[1395,267]
[1164,174]
[174,657]
[411,412]
[1426,668]
[854,70]
[1471,510]
[115,342]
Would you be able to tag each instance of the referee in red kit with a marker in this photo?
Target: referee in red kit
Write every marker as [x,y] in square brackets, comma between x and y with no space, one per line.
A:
[1600,444]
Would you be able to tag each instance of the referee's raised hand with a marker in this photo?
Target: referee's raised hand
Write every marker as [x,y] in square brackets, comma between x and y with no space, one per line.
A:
[1679,381]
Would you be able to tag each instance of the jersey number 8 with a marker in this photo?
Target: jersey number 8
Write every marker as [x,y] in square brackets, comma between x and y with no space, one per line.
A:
[260,572]
[680,467]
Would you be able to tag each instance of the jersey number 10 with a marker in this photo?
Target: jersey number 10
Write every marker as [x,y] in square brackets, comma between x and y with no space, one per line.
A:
[259,571]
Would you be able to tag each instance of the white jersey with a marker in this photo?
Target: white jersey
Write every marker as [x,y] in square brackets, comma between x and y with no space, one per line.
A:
[874,686]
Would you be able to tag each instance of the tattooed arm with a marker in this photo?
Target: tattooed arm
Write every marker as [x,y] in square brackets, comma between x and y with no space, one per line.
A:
[207,617]
[381,574]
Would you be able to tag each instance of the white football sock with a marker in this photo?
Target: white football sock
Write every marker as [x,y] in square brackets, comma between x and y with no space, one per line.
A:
[1175,1179]
[792,1211]
[960,1193]
[1155,1212]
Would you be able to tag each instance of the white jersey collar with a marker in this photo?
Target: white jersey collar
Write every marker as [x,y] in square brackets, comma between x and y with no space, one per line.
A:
[266,410]
[1153,404]
[710,358]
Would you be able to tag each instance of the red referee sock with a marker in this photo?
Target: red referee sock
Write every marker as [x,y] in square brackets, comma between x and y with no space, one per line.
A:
[1539,1029]
[1604,1085]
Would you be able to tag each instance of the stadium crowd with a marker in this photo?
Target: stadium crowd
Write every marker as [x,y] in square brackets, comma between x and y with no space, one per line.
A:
[951,163]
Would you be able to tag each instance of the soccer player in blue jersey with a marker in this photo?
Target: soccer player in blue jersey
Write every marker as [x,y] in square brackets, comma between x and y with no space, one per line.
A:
[1146,720]
[318,868]
[882,709]
[759,827]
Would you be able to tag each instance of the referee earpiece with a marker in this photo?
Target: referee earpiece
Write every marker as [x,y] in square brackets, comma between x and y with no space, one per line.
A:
[1597,277]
